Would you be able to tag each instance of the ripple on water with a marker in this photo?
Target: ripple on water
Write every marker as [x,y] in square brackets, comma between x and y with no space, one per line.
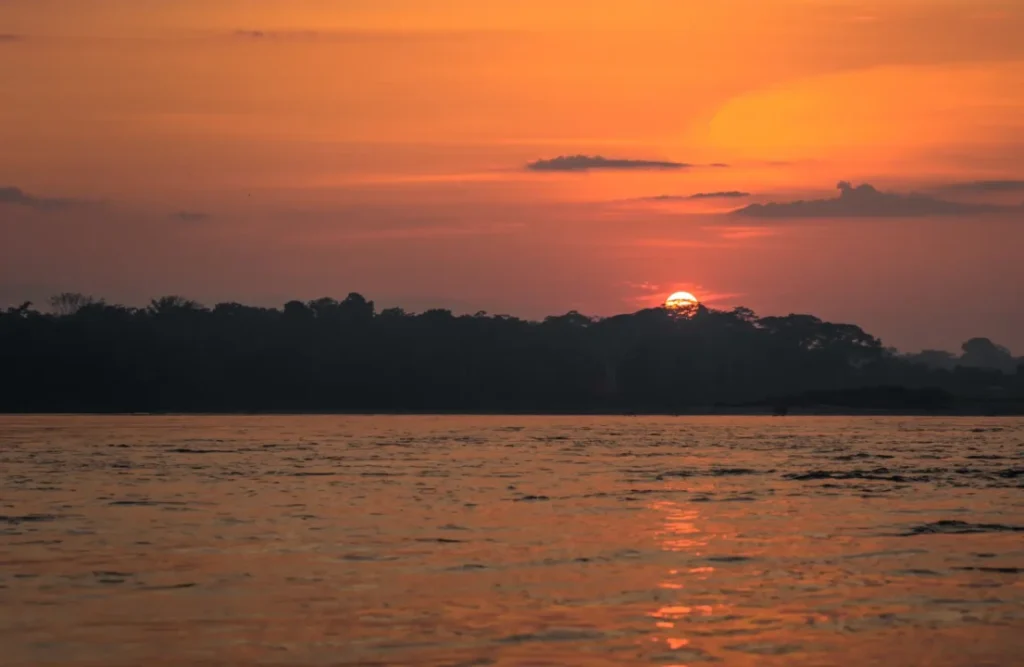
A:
[28,518]
[496,540]
[956,527]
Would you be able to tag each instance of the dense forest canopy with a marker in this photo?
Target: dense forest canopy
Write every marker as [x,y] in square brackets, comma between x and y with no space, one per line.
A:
[330,355]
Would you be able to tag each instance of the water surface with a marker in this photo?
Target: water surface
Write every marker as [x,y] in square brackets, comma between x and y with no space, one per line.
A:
[511,541]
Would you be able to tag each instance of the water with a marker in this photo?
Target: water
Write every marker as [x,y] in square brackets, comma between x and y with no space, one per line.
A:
[511,541]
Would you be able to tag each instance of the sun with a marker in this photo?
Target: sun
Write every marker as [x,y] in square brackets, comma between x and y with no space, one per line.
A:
[682,302]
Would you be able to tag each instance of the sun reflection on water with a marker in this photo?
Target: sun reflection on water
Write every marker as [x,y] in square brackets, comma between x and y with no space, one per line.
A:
[679,534]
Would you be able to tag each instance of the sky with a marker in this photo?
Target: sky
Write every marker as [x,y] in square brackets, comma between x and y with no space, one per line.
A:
[265,150]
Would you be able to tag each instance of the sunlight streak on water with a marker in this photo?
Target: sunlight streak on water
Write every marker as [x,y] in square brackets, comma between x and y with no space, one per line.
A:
[510,541]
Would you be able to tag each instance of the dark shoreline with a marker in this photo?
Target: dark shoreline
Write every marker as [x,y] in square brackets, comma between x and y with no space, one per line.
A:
[344,357]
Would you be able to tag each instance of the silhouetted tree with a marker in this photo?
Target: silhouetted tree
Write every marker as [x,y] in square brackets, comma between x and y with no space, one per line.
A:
[934,359]
[983,353]
[69,303]
[20,311]
[177,355]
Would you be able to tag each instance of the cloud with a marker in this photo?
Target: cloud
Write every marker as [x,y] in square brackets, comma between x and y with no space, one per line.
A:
[8,37]
[430,232]
[645,286]
[587,162]
[366,35]
[17,197]
[984,187]
[744,233]
[191,216]
[864,201]
[730,194]
[353,35]
[666,243]
[282,34]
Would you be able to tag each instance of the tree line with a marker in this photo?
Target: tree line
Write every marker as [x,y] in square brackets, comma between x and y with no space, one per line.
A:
[175,355]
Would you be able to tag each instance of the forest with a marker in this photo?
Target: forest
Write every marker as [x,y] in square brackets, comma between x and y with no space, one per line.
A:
[84,355]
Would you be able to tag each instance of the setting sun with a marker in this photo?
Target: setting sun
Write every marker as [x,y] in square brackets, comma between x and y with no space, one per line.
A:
[681,301]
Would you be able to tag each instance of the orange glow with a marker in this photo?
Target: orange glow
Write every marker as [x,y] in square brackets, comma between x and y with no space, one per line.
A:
[383,145]
[681,301]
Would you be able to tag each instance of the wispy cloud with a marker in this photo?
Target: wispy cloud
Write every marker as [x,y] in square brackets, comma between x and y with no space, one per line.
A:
[287,34]
[368,35]
[865,201]
[430,232]
[9,37]
[673,243]
[719,299]
[731,194]
[743,233]
[13,196]
[645,287]
[594,162]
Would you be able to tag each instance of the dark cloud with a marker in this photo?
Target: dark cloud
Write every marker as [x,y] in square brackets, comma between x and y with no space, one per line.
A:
[13,196]
[8,37]
[730,194]
[984,187]
[588,162]
[864,201]
[286,34]
[191,216]
[364,35]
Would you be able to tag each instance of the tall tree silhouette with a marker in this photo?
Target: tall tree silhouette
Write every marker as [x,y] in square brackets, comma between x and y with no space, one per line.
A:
[324,355]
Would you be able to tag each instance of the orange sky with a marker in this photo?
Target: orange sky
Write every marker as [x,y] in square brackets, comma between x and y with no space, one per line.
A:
[324,146]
